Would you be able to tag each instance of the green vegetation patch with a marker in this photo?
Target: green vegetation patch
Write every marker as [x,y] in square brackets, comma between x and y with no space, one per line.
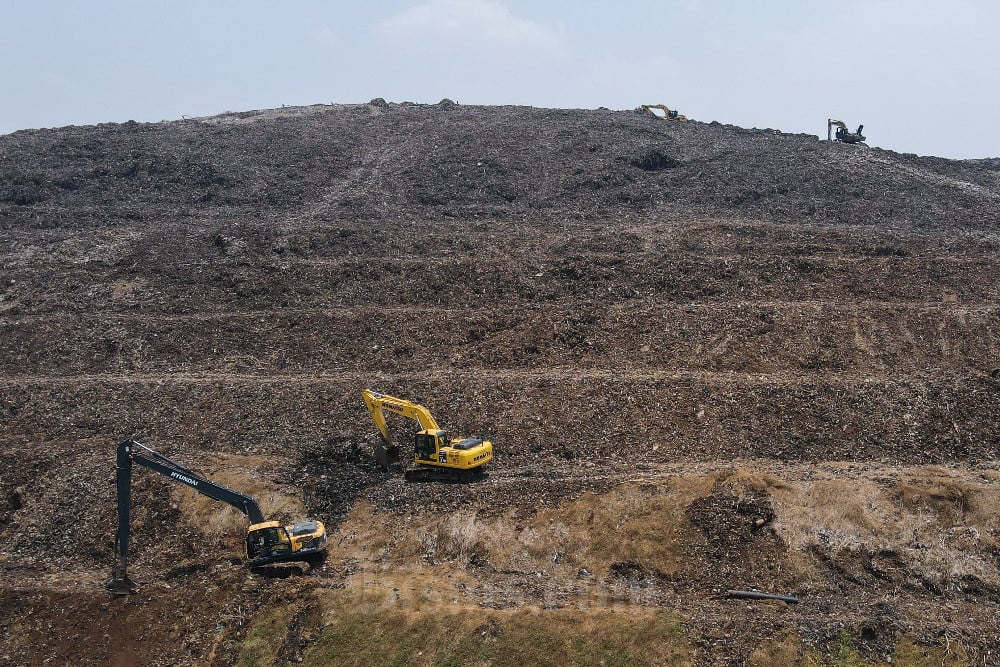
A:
[384,636]
[788,649]
[263,641]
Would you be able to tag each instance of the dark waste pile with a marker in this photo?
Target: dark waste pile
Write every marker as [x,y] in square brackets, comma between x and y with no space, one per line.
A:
[598,292]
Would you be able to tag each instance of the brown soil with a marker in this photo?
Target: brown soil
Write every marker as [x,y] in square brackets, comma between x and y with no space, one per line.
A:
[709,358]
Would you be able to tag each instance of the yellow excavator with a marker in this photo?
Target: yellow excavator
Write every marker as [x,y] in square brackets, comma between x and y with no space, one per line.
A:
[842,133]
[668,114]
[267,542]
[435,457]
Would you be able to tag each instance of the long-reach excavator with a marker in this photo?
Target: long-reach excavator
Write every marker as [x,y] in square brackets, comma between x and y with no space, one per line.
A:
[435,457]
[267,542]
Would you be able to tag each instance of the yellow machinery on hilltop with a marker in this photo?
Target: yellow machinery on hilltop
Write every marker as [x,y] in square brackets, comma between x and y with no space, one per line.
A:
[843,134]
[435,457]
[668,114]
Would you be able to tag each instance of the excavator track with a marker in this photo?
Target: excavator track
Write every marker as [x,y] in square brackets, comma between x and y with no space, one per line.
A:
[439,474]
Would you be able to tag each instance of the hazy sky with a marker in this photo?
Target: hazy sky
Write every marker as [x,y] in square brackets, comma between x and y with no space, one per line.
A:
[923,77]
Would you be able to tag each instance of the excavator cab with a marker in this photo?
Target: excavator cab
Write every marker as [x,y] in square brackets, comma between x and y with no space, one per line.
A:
[271,542]
[267,541]
[428,443]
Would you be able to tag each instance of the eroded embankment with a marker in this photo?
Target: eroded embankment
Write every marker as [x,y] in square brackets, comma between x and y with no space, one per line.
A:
[887,561]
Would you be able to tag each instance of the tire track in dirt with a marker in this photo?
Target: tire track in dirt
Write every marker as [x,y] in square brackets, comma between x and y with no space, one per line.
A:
[505,375]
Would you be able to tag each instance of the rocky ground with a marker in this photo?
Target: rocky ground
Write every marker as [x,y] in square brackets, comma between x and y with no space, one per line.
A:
[709,358]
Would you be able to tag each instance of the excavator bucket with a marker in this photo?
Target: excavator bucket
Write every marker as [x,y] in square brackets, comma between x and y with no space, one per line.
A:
[120,584]
[386,455]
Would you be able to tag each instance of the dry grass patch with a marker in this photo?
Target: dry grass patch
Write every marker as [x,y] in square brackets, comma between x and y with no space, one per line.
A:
[642,523]
[365,631]
[743,483]
[635,522]
[831,513]
[935,524]
[414,587]
[947,497]
[243,474]
[785,649]
[916,527]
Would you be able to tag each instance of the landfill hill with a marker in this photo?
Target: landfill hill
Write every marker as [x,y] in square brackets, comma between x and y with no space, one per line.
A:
[708,357]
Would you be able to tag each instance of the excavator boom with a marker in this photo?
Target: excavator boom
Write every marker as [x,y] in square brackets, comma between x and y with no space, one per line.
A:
[377,403]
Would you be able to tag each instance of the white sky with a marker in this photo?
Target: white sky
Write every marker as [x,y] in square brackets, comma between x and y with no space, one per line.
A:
[923,76]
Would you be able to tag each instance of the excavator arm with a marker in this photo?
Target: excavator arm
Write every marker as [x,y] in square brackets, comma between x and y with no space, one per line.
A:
[127,455]
[377,405]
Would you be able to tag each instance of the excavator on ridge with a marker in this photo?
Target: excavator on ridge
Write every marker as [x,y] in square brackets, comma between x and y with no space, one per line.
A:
[435,457]
[843,134]
[267,542]
[668,114]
